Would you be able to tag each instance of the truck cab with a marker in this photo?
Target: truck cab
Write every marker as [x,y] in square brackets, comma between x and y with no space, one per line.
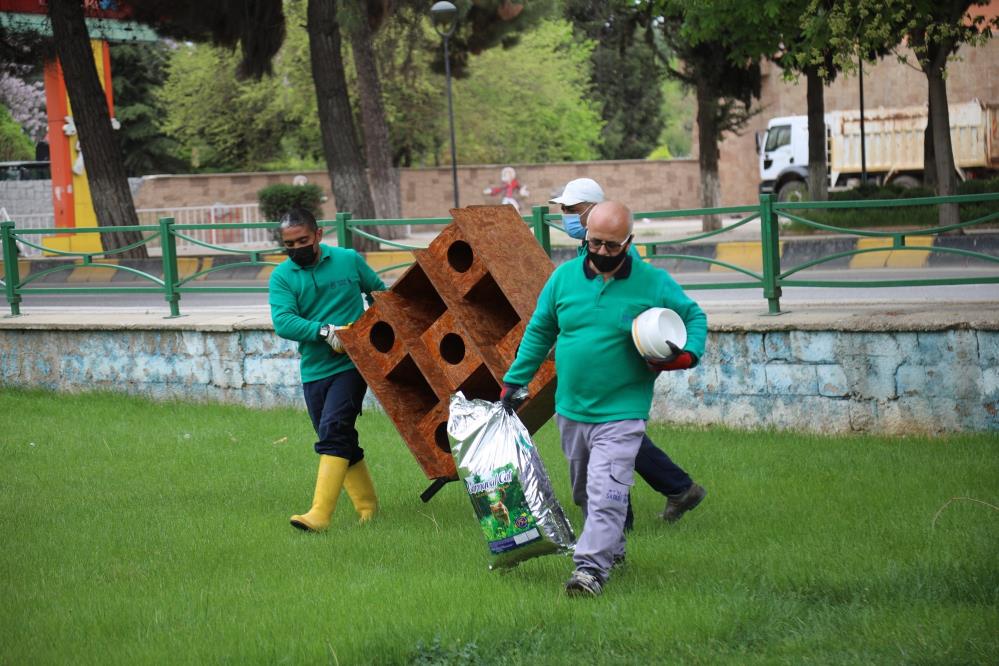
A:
[784,157]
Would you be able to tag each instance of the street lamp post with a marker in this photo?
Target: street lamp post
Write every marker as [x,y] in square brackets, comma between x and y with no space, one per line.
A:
[444,16]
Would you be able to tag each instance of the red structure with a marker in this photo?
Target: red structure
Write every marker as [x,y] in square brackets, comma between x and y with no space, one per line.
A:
[453,322]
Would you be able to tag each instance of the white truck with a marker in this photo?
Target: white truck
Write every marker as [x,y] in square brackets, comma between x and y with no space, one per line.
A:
[894,142]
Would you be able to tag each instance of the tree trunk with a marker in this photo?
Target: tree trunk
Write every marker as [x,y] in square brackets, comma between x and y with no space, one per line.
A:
[939,119]
[383,175]
[340,147]
[818,189]
[105,168]
[929,157]
[708,152]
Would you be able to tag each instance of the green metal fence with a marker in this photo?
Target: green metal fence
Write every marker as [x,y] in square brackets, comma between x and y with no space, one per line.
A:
[771,279]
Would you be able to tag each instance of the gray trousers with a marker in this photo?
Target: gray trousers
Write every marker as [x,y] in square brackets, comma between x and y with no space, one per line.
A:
[602,470]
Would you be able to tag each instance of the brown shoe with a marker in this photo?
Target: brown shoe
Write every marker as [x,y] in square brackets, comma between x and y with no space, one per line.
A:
[681,503]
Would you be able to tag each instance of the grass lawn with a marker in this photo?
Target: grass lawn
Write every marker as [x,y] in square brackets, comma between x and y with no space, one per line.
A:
[138,532]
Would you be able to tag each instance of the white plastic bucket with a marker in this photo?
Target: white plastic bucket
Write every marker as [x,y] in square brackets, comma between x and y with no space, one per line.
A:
[651,329]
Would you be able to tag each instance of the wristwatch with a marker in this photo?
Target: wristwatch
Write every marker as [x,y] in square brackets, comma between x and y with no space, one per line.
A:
[324,331]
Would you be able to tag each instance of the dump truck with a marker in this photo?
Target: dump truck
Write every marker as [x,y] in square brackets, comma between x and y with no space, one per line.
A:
[894,146]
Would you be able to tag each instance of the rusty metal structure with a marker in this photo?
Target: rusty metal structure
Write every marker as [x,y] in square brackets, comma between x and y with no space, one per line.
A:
[452,322]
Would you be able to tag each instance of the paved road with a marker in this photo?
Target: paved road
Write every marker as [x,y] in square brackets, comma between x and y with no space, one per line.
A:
[234,302]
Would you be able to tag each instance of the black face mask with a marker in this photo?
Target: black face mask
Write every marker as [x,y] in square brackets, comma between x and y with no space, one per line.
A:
[605,263]
[303,256]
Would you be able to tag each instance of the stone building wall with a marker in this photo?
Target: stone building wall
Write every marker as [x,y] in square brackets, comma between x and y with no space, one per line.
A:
[26,197]
[426,192]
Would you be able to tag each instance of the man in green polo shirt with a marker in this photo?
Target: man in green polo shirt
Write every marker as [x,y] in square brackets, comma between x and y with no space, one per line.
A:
[654,465]
[312,293]
[604,390]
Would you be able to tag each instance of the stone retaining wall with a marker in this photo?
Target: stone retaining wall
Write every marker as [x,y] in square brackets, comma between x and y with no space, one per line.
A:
[829,379]
[839,381]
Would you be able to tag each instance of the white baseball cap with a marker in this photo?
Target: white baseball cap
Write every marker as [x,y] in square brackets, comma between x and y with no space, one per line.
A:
[578,191]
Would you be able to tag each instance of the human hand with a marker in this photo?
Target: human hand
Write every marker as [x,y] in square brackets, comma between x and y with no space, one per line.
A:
[678,360]
[512,396]
[674,351]
[488,190]
[333,339]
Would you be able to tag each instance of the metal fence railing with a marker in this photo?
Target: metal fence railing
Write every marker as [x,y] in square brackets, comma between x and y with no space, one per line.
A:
[251,242]
[204,216]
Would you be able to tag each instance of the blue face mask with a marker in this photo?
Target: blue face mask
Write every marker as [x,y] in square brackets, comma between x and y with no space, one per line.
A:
[573,226]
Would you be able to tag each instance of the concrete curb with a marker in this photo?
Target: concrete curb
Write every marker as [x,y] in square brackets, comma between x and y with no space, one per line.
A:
[848,316]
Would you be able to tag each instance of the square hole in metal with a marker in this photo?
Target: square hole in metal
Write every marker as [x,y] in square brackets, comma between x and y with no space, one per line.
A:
[481,384]
[423,303]
[410,389]
[494,316]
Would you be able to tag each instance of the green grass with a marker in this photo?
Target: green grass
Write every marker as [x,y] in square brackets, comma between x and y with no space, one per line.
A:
[138,532]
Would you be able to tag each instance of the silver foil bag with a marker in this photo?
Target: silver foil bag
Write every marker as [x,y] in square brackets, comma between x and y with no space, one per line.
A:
[507,483]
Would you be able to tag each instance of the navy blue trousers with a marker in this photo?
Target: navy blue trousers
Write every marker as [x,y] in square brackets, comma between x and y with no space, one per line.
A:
[657,470]
[334,404]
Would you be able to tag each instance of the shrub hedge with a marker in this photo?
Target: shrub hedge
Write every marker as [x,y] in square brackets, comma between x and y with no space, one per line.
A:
[914,216]
[276,200]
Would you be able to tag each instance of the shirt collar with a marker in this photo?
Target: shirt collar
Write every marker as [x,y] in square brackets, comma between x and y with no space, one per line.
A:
[622,273]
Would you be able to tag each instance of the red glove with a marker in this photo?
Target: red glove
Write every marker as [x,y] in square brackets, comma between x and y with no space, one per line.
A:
[681,360]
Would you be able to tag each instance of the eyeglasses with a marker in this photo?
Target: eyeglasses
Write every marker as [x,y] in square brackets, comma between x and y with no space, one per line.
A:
[612,246]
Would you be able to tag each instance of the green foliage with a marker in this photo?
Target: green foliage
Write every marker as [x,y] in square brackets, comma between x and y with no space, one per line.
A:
[678,110]
[931,28]
[276,200]
[719,45]
[499,117]
[909,217]
[413,95]
[221,123]
[138,71]
[293,96]
[158,532]
[484,25]
[661,153]
[273,124]
[743,30]
[625,79]
[14,143]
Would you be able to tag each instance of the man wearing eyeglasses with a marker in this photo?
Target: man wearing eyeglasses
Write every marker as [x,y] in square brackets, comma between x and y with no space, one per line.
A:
[604,390]
[652,464]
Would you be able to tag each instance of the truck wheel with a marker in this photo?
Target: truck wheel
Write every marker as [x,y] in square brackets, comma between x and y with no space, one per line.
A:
[793,190]
[906,182]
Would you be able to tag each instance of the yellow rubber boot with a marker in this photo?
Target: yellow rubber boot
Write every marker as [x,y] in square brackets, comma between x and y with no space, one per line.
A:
[329,482]
[361,491]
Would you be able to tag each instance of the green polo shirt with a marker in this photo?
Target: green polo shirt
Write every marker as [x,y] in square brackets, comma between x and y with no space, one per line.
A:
[601,376]
[328,292]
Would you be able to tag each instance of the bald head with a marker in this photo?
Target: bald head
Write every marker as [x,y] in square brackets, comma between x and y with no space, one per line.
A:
[610,220]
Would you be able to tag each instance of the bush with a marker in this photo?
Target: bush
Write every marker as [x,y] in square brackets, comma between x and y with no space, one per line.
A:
[276,200]
[14,143]
[917,216]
